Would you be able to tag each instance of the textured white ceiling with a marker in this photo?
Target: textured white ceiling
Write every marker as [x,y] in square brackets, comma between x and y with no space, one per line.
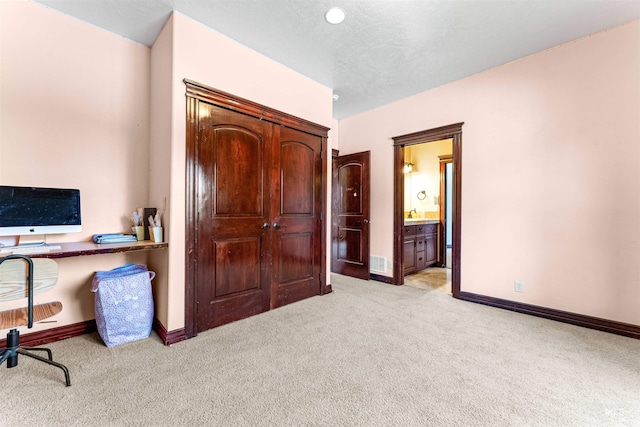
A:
[385,50]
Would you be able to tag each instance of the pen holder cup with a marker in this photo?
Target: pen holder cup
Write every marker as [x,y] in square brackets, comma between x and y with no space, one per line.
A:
[155,233]
[139,232]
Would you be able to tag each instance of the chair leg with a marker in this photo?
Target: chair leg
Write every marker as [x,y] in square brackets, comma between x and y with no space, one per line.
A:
[10,354]
[50,362]
[49,354]
[5,354]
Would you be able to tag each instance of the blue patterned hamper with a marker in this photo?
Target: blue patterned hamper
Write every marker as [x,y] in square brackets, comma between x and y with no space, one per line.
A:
[123,303]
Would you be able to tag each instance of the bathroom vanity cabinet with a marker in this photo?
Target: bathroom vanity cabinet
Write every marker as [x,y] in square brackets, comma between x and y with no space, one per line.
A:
[420,246]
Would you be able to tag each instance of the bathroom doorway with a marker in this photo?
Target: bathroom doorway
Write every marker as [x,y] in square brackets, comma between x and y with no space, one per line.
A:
[453,132]
[426,223]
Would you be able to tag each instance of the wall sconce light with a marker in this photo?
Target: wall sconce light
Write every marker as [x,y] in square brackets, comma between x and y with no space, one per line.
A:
[408,167]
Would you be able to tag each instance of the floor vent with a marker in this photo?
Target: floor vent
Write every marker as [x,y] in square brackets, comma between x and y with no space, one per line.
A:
[377,264]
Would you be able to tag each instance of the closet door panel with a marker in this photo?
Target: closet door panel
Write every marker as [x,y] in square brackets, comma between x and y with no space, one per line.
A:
[296,176]
[237,263]
[296,206]
[238,165]
[296,257]
[233,187]
[255,193]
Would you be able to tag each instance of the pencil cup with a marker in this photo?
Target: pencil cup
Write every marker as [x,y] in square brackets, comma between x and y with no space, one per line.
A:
[139,232]
[156,234]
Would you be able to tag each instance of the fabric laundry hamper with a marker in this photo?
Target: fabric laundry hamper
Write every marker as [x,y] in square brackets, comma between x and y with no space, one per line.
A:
[123,303]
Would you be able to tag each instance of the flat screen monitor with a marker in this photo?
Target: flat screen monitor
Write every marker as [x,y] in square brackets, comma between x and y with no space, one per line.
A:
[34,211]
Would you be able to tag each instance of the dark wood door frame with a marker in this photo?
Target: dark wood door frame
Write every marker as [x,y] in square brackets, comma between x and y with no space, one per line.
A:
[195,93]
[453,131]
[442,202]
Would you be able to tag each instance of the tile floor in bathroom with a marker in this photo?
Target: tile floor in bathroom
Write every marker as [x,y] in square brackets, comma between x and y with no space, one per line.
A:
[434,278]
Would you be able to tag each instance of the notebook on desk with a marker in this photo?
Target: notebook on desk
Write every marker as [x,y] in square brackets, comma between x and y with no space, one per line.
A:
[113,238]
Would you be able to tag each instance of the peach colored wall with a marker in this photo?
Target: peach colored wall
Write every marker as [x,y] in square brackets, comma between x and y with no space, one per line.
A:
[74,112]
[205,56]
[551,173]
[160,161]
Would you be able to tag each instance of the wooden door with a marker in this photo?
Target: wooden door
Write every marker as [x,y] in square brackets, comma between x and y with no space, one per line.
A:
[255,186]
[296,216]
[350,217]
[233,216]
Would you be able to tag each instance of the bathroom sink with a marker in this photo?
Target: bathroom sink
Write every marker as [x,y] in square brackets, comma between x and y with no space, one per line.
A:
[420,220]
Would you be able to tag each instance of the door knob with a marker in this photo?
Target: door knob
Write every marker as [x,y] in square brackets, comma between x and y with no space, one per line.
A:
[366,221]
[277,226]
[265,226]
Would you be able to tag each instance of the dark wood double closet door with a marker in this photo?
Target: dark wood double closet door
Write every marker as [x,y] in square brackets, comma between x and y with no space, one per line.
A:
[258,205]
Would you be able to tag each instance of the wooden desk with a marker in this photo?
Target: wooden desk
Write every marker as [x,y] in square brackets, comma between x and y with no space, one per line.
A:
[75,249]
[89,248]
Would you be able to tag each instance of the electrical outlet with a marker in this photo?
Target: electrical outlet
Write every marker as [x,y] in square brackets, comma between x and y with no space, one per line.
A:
[518,286]
[389,265]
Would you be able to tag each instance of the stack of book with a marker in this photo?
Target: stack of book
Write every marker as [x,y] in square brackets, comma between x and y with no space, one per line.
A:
[113,238]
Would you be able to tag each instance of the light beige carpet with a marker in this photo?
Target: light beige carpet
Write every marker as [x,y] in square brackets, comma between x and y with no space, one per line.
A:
[369,354]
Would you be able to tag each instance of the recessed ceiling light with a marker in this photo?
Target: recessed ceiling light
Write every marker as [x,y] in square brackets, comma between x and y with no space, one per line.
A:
[335,15]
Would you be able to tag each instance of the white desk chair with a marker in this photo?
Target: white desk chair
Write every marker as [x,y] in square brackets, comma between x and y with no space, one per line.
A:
[18,281]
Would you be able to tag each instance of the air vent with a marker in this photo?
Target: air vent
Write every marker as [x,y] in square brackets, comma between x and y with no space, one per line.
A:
[377,264]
